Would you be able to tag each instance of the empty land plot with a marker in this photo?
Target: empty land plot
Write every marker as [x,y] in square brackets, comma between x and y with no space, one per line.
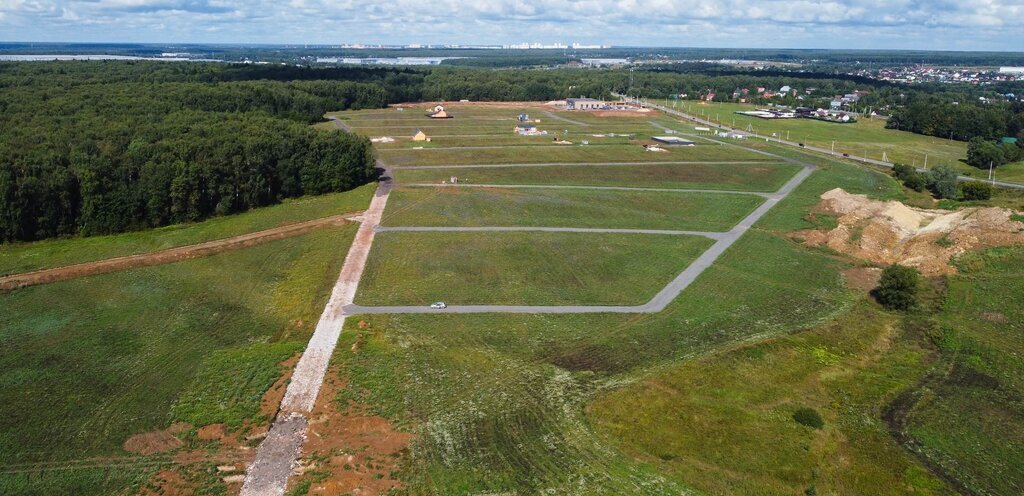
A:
[724,176]
[461,207]
[516,268]
[505,138]
[565,154]
[25,257]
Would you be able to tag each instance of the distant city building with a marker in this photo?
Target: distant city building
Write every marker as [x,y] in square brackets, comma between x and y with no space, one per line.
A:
[1011,70]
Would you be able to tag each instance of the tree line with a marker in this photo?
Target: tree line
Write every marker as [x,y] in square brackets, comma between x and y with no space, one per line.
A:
[89,149]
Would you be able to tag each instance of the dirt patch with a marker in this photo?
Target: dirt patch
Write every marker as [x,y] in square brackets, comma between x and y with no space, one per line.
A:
[230,455]
[862,279]
[891,232]
[348,451]
[996,317]
[171,255]
[162,441]
[212,432]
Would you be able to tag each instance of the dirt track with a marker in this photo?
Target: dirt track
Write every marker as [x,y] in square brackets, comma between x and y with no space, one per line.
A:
[170,255]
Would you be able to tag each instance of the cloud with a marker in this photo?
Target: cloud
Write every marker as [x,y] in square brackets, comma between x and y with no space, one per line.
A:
[940,24]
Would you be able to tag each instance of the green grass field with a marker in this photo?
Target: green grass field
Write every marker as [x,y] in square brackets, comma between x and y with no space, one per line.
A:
[969,419]
[24,257]
[564,154]
[417,268]
[705,422]
[765,177]
[87,363]
[427,206]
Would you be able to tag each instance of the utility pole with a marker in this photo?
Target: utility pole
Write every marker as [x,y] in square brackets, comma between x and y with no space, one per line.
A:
[833,148]
[990,177]
[925,161]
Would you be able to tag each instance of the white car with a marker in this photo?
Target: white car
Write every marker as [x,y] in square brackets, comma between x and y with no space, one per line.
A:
[438,305]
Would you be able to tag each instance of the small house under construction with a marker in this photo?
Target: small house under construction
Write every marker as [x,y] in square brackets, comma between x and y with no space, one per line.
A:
[439,113]
[420,136]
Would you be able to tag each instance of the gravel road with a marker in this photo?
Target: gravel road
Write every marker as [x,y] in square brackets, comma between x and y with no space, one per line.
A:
[278,453]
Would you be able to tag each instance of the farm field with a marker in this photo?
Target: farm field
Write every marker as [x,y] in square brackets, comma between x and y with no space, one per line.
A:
[417,268]
[866,136]
[410,206]
[24,257]
[764,177]
[90,362]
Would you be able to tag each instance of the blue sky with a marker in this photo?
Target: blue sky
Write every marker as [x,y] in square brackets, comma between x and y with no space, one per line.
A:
[902,24]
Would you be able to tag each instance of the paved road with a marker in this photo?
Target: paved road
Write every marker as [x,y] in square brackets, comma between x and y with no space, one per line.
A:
[341,125]
[656,304]
[581,164]
[599,188]
[826,151]
[706,234]
[280,450]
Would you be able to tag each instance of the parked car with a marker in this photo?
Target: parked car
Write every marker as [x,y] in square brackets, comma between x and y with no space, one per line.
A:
[801,145]
[438,305]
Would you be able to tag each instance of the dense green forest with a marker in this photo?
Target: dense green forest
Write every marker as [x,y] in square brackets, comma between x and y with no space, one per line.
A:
[93,148]
[959,120]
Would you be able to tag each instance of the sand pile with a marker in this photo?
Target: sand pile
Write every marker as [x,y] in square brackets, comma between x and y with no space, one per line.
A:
[891,232]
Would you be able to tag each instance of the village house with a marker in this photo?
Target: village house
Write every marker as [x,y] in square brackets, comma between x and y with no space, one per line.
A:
[420,136]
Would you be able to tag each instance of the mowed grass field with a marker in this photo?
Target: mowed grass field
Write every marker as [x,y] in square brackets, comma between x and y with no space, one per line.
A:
[762,177]
[517,268]
[453,206]
[24,257]
[564,154]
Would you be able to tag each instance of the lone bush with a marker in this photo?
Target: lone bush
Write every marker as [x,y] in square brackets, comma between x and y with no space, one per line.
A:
[909,177]
[942,181]
[975,190]
[897,288]
[809,417]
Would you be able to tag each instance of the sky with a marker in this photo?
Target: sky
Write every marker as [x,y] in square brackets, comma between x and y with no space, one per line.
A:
[892,24]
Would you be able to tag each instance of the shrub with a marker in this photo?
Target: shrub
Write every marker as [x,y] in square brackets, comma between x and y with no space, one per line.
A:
[975,190]
[809,417]
[897,288]
[942,181]
[909,177]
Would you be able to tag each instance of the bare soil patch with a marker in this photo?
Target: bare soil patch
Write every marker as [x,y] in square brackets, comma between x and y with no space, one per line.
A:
[360,453]
[884,233]
[232,453]
[862,279]
[162,441]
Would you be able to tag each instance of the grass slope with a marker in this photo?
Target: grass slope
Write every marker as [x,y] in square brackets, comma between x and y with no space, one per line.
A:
[567,208]
[523,268]
[564,154]
[709,421]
